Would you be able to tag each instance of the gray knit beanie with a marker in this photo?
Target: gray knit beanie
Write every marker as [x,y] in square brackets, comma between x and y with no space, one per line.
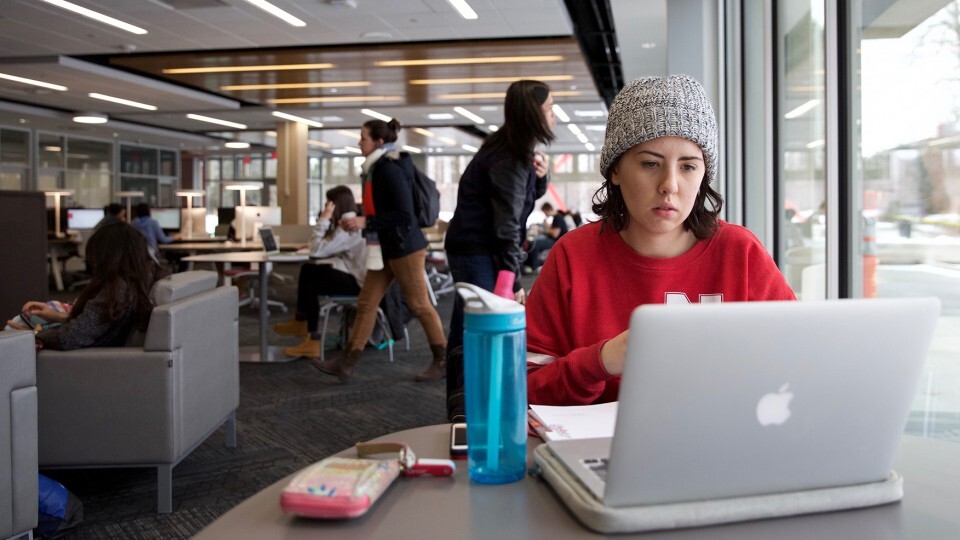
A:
[651,107]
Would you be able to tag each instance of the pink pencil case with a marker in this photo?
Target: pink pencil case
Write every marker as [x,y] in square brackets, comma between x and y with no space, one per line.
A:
[338,488]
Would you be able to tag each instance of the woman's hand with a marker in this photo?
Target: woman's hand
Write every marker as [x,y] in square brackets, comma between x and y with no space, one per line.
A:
[613,354]
[46,312]
[520,296]
[353,223]
[540,164]
[327,212]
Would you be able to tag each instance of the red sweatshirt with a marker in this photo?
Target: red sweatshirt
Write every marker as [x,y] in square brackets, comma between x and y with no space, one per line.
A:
[591,283]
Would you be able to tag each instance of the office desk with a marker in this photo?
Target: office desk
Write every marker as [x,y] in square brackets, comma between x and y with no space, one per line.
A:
[456,508]
[263,353]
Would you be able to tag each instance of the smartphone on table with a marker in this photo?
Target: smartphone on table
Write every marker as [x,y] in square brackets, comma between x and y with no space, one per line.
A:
[458,441]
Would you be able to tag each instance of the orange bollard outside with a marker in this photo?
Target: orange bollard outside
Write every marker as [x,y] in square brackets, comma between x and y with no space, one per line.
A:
[870,260]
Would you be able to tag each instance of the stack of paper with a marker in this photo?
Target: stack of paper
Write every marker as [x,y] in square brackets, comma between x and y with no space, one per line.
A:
[574,422]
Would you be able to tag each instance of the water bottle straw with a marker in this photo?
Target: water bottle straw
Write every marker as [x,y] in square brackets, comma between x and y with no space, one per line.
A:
[496,395]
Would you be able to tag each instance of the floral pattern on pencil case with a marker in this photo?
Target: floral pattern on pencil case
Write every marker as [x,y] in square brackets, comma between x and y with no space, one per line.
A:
[346,477]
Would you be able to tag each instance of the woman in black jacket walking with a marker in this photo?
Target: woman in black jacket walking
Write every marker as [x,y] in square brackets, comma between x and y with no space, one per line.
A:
[496,196]
[389,220]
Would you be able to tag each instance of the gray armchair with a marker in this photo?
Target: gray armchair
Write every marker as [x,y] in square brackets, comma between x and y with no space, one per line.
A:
[149,405]
[18,435]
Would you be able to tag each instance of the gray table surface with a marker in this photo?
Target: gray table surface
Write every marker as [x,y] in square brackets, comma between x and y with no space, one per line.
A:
[458,508]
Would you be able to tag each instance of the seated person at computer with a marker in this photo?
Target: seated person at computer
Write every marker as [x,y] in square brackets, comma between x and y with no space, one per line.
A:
[112,213]
[658,240]
[342,278]
[150,228]
[114,304]
[554,226]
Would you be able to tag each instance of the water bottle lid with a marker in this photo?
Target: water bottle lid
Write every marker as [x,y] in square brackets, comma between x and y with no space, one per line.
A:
[480,301]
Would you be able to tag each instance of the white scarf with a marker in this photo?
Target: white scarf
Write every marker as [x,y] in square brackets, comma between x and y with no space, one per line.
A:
[374,156]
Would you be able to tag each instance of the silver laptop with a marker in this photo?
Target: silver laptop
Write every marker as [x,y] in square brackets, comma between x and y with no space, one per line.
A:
[736,399]
[272,248]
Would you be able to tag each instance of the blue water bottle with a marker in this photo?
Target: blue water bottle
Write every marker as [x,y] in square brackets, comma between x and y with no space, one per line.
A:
[495,383]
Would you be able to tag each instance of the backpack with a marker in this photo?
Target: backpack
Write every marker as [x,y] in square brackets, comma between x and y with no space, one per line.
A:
[426,199]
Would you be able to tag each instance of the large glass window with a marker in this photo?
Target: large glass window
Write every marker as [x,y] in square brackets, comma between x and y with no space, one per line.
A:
[89,171]
[906,119]
[801,127]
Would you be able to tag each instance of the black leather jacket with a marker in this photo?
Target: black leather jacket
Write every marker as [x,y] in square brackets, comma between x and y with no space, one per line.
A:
[495,198]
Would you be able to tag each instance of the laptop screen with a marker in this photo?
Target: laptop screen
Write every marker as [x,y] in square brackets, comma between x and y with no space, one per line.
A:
[269,242]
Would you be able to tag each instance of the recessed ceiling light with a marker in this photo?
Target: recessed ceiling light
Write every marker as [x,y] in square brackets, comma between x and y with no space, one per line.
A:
[318,143]
[560,113]
[425,132]
[299,119]
[237,144]
[453,61]
[277,12]
[90,118]
[228,69]
[352,149]
[353,134]
[589,114]
[331,119]
[590,147]
[33,82]
[802,109]
[463,8]
[468,114]
[100,17]
[440,116]
[376,35]
[413,149]
[121,101]
[469,147]
[216,121]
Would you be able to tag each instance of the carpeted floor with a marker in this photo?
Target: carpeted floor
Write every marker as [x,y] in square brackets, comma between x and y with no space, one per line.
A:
[290,415]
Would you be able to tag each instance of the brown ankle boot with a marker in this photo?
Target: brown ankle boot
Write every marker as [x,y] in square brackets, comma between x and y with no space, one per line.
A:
[438,367]
[340,367]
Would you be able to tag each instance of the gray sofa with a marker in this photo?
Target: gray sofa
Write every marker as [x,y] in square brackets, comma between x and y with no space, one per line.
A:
[149,405]
[18,435]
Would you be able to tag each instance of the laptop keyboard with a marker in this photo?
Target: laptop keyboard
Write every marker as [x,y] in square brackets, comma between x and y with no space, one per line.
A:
[598,466]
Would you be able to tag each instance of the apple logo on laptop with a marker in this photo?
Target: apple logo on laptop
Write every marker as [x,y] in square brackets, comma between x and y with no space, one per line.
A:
[774,408]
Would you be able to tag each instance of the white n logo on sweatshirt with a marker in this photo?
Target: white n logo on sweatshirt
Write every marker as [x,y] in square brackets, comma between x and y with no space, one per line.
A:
[681,298]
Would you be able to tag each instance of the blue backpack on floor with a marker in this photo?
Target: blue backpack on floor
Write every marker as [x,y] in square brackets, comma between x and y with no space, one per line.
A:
[60,510]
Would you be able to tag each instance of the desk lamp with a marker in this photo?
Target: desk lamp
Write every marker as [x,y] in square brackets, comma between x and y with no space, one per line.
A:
[56,194]
[190,194]
[129,195]
[243,188]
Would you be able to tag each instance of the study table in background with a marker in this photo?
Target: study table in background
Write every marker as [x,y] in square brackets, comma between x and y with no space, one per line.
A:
[57,247]
[457,508]
[264,352]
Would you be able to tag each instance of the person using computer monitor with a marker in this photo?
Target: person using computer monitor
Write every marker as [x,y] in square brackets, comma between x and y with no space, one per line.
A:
[112,213]
[659,240]
[150,228]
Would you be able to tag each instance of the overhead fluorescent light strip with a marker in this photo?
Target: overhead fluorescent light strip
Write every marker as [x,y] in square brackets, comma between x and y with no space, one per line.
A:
[333,99]
[230,69]
[463,112]
[413,149]
[375,114]
[501,95]
[479,80]
[424,132]
[292,86]
[216,121]
[561,114]
[33,82]
[463,8]
[454,61]
[277,12]
[100,17]
[122,101]
[469,147]
[802,109]
[306,121]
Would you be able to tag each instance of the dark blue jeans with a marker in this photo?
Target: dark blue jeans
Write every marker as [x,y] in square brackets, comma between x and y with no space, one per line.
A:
[479,270]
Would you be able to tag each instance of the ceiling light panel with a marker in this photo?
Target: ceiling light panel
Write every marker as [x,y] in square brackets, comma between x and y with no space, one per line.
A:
[97,16]
[33,82]
[277,12]
[121,101]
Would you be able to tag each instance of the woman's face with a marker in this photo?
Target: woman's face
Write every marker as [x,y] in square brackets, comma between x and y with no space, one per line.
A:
[659,180]
[548,115]
[367,143]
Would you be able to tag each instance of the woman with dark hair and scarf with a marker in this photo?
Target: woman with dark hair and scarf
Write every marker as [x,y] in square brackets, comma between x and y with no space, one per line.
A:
[389,218]
[496,196]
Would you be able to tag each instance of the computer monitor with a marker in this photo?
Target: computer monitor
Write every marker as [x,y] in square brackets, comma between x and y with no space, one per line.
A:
[225,215]
[256,217]
[83,218]
[197,221]
[168,218]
